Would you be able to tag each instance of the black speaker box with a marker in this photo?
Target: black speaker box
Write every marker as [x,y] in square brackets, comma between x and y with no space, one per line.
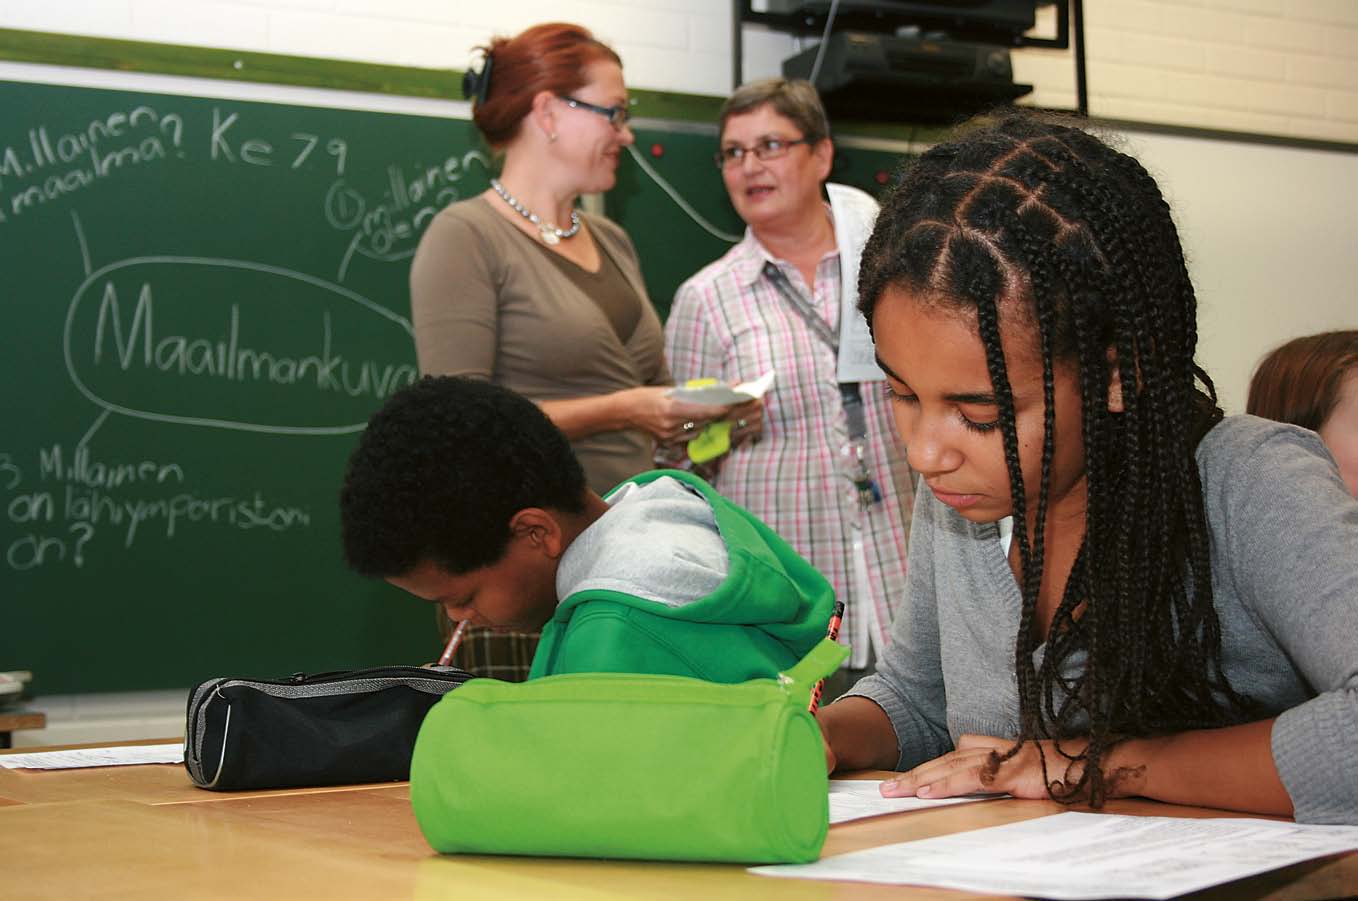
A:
[883,77]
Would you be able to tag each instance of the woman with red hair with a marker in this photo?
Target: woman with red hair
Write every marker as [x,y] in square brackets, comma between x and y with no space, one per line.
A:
[518,286]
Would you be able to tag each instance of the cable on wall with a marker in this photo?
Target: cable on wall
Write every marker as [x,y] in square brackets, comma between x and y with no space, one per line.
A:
[675,196]
[825,36]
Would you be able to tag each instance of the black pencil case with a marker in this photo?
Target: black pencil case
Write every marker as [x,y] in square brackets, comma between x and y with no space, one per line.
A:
[337,728]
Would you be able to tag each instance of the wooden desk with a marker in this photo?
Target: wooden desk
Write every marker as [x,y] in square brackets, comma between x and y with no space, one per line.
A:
[16,720]
[363,842]
[152,784]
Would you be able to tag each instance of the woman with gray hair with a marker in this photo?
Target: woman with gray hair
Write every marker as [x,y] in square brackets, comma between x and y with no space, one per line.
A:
[828,472]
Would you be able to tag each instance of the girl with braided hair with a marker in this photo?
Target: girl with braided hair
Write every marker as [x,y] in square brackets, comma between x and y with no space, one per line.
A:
[1112,589]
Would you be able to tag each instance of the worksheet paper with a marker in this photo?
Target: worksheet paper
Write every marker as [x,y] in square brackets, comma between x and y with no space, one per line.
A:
[1087,856]
[83,757]
[853,799]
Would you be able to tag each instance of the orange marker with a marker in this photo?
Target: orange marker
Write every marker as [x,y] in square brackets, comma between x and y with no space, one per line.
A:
[446,657]
[831,633]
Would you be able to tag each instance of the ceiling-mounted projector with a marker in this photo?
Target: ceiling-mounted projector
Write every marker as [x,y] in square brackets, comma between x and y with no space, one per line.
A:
[866,75]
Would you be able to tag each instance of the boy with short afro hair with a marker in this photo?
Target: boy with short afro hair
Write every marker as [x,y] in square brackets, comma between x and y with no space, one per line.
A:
[465,494]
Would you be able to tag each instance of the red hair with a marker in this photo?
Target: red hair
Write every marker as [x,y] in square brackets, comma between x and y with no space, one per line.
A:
[1299,382]
[550,57]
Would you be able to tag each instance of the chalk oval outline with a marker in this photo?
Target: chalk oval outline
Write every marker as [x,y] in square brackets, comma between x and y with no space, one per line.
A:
[204,421]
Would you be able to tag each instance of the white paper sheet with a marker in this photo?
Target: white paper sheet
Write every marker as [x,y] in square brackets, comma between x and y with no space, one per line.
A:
[722,394]
[1087,856]
[853,799]
[84,757]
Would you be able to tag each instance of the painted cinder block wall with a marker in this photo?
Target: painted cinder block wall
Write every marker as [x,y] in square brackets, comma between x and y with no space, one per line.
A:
[1276,67]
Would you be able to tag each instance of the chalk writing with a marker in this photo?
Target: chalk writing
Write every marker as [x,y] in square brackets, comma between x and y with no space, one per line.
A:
[60,164]
[226,358]
[53,464]
[257,151]
[388,229]
[10,472]
[33,507]
[107,330]
[95,506]
[34,550]
[94,496]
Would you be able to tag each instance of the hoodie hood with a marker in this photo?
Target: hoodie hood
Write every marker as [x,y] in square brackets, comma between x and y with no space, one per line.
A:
[673,550]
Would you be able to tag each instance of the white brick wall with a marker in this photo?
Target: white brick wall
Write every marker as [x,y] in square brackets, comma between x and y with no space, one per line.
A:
[1269,66]
[1287,67]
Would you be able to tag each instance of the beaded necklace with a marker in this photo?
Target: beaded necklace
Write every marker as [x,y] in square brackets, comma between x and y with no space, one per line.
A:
[549,233]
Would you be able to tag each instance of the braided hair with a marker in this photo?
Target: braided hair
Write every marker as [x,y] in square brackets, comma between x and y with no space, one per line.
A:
[1031,219]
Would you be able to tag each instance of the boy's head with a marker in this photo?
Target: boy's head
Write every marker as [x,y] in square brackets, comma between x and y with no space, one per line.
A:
[455,492]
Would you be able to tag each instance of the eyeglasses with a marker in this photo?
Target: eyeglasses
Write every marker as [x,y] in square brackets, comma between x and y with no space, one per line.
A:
[763,149]
[617,116]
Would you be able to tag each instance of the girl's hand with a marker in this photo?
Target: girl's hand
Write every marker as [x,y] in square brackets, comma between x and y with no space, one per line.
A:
[974,767]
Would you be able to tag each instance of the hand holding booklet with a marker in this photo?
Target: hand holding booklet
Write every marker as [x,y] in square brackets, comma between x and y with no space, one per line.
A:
[720,394]
[715,438]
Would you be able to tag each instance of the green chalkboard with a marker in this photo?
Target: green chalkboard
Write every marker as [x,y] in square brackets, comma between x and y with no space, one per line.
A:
[203,301]
[675,239]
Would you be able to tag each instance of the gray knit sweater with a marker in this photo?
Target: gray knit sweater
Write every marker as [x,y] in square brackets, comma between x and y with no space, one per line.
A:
[1284,552]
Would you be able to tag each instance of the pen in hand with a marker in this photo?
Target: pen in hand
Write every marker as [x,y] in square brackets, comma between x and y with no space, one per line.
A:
[831,633]
[447,656]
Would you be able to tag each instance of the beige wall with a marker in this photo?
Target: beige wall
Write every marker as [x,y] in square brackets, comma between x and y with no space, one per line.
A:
[1269,235]
[1278,67]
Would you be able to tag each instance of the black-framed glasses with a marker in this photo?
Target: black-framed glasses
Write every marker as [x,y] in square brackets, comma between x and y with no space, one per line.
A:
[617,116]
[763,149]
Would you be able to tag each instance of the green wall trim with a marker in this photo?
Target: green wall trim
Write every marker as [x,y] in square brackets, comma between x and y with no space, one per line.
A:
[315,72]
[674,106]
[232,65]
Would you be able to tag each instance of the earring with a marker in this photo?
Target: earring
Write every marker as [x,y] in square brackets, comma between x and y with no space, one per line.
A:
[551,138]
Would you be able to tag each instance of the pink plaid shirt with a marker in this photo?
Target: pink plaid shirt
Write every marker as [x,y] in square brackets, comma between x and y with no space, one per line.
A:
[729,322]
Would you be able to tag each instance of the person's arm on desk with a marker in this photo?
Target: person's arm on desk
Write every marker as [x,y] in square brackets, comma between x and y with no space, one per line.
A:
[1230,768]
[897,717]
[858,736]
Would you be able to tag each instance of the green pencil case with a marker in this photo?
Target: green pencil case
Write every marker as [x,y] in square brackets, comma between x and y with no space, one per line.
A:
[627,766]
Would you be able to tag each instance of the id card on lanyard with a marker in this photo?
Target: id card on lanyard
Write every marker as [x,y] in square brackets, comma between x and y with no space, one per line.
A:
[853,463]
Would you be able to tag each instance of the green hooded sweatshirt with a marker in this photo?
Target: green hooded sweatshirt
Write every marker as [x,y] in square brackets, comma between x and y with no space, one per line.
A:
[651,587]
